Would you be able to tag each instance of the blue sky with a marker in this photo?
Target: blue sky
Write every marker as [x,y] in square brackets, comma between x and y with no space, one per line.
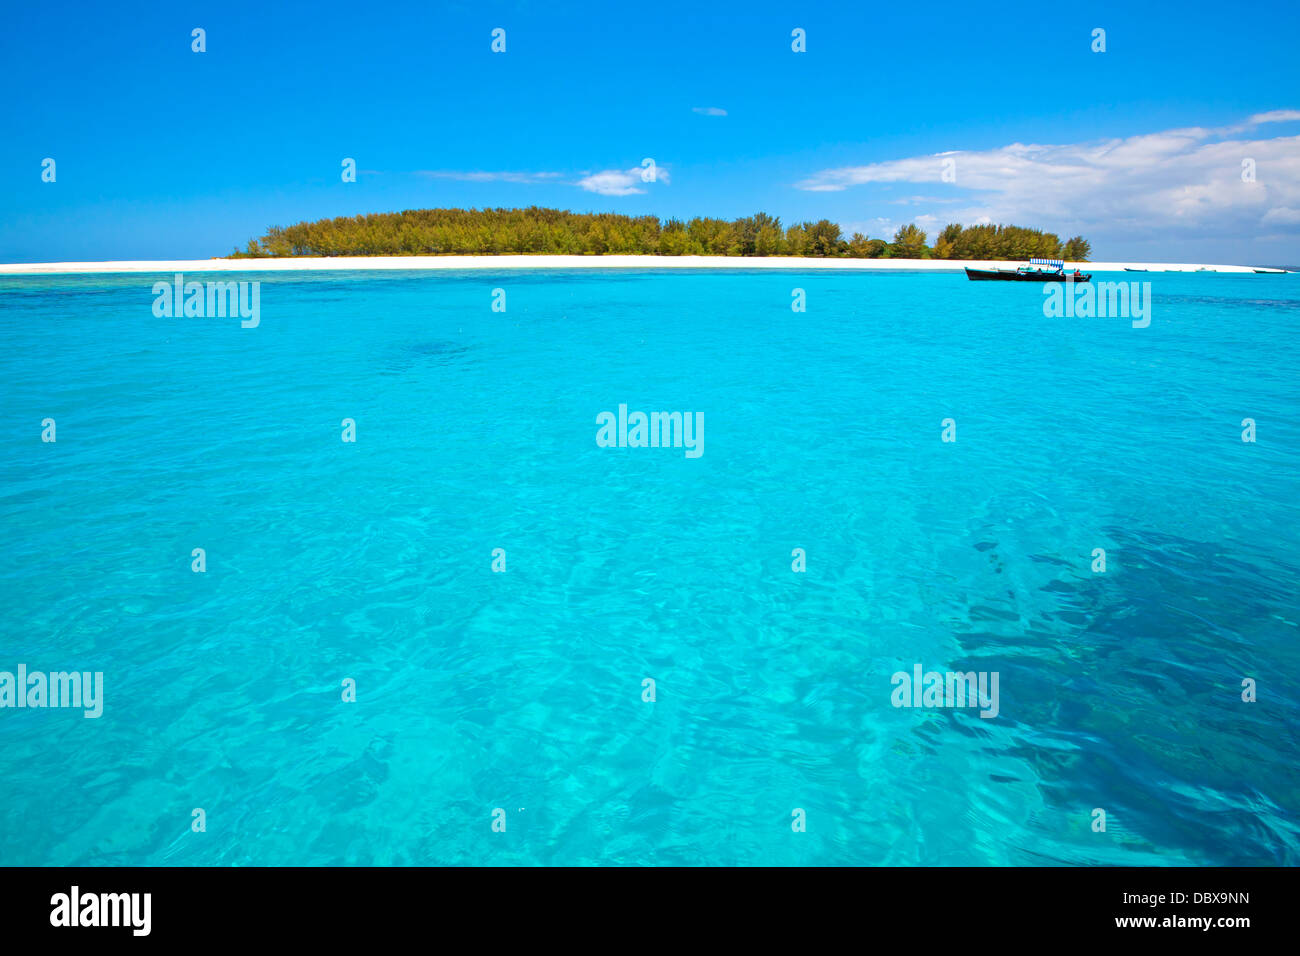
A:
[166,153]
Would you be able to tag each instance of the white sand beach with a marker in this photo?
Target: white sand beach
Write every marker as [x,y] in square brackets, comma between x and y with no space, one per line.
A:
[312,263]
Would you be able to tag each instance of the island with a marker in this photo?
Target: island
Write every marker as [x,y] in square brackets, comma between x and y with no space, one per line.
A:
[557,232]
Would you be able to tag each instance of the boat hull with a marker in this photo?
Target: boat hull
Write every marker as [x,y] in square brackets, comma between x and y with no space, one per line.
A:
[1008,275]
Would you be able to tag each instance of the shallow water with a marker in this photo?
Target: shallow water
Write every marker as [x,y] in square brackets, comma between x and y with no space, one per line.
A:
[522,690]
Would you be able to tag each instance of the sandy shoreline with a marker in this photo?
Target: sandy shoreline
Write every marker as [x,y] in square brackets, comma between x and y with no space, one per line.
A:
[309,264]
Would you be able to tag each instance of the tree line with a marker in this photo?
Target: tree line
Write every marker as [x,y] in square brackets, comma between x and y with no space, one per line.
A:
[536,231]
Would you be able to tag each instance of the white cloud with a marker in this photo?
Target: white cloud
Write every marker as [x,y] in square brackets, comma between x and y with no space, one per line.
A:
[616,182]
[609,182]
[708,111]
[489,177]
[1272,116]
[881,227]
[1188,180]
[1282,217]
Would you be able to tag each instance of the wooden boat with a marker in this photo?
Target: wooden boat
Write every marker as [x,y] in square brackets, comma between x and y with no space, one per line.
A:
[1038,270]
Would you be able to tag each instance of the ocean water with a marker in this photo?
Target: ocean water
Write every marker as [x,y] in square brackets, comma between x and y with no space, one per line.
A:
[521,691]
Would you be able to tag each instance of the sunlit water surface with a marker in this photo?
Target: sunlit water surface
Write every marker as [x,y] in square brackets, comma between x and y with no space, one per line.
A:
[523,690]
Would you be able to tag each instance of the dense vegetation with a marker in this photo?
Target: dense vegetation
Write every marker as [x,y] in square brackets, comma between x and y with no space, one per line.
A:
[535,230]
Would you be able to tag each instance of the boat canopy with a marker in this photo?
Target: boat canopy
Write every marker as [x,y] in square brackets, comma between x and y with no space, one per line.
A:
[1054,263]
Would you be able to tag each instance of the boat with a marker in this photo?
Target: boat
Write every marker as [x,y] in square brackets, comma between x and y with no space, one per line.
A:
[1131,269]
[1272,272]
[1038,270]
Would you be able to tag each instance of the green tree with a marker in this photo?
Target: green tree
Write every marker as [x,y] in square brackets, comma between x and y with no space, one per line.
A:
[539,230]
[796,241]
[909,242]
[946,245]
[823,238]
[770,240]
[1077,249]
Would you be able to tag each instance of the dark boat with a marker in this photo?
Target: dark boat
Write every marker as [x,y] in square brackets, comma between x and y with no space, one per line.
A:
[1054,272]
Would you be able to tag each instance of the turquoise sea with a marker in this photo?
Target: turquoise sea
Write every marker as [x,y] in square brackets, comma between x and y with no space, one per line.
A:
[476,690]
